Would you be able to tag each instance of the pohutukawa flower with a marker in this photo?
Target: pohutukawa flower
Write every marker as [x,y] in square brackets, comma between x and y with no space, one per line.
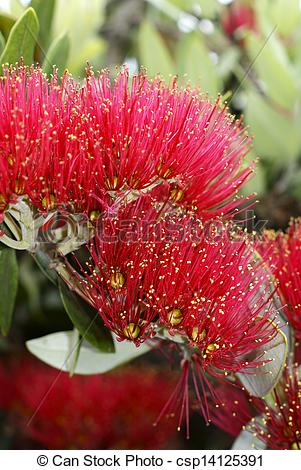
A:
[152,132]
[43,153]
[276,422]
[62,144]
[69,418]
[282,251]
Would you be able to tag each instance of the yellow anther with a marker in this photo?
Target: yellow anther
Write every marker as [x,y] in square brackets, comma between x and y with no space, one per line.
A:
[211,347]
[48,202]
[94,215]
[3,202]
[19,187]
[112,184]
[296,446]
[196,335]
[175,317]
[117,280]
[176,195]
[163,172]
[131,331]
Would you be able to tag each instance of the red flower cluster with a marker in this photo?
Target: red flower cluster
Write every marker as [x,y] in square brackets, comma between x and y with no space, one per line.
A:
[87,412]
[63,144]
[277,424]
[214,292]
[282,251]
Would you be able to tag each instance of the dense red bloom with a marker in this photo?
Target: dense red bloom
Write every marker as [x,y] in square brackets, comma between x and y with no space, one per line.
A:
[238,16]
[88,412]
[205,290]
[282,251]
[277,423]
[154,132]
[42,152]
[63,144]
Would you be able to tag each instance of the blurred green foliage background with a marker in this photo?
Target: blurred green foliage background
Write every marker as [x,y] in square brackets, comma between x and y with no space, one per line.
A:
[247,51]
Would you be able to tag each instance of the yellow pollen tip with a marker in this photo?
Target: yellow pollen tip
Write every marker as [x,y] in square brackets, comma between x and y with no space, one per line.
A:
[163,172]
[3,202]
[131,331]
[48,202]
[197,336]
[19,187]
[211,347]
[296,446]
[177,195]
[175,317]
[117,280]
[112,184]
[94,215]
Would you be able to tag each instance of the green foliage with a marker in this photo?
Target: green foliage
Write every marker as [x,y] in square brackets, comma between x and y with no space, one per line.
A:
[22,39]
[153,53]
[271,63]
[276,134]
[2,42]
[6,24]
[193,59]
[57,54]
[86,319]
[45,12]
[8,287]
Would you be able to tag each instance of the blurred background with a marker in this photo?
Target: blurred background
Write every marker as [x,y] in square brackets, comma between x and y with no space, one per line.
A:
[247,51]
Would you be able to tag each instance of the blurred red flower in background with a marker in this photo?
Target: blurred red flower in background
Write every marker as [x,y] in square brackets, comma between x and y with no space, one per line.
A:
[237,17]
[115,410]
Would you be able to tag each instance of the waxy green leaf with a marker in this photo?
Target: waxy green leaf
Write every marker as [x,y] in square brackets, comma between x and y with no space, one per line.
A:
[8,287]
[22,39]
[57,349]
[57,54]
[86,319]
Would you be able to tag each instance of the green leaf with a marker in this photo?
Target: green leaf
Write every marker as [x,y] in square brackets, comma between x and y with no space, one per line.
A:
[57,348]
[57,54]
[43,261]
[227,61]
[154,54]
[276,134]
[6,24]
[86,319]
[8,287]
[22,39]
[285,14]
[270,61]
[260,381]
[257,182]
[193,59]
[2,43]
[210,8]
[45,12]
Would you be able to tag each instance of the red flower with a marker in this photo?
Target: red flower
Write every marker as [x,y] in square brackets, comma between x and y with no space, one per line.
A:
[82,147]
[153,133]
[277,423]
[88,412]
[42,148]
[282,251]
[238,16]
